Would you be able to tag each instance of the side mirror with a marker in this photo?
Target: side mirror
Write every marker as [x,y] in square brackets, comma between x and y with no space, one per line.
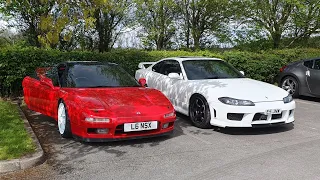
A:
[242,72]
[174,76]
[47,82]
[142,82]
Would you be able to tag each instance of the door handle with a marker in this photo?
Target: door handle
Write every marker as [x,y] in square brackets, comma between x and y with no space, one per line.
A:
[308,73]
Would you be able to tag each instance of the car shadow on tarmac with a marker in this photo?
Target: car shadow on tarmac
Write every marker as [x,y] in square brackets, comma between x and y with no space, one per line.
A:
[311,99]
[185,121]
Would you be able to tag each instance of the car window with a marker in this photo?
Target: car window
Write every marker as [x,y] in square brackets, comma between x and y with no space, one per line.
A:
[170,66]
[209,69]
[98,75]
[157,67]
[316,64]
[52,73]
[34,75]
[308,64]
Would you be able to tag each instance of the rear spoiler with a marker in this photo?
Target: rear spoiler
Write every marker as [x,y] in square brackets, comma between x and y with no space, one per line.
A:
[144,65]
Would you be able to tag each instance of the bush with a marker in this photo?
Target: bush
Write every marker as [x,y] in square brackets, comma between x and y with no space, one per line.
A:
[16,63]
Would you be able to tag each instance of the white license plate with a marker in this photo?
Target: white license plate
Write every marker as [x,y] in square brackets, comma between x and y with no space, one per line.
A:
[272,111]
[140,126]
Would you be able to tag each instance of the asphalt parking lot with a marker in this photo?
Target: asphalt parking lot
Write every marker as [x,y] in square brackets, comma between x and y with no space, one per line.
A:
[284,152]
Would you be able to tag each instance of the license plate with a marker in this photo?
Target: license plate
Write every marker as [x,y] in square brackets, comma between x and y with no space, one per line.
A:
[272,111]
[140,126]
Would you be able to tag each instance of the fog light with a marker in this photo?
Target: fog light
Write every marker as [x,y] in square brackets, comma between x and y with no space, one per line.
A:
[102,131]
[166,125]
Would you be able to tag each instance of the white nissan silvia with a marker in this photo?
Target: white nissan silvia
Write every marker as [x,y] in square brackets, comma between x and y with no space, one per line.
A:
[212,92]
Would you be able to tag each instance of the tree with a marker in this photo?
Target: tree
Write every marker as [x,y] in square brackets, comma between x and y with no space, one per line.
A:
[110,17]
[201,16]
[272,15]
[306,20]
[157,19]
[28,14]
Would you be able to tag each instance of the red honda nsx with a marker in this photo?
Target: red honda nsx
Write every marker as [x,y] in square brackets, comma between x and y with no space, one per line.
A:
[97,102]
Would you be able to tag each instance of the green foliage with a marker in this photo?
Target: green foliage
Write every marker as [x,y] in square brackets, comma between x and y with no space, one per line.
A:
[157,19]
[16,63]
[14,140]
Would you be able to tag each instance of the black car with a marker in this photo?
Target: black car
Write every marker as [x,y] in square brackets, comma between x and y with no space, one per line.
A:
[301,78]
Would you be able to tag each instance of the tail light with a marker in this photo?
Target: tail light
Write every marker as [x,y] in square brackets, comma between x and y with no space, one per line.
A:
[283,68]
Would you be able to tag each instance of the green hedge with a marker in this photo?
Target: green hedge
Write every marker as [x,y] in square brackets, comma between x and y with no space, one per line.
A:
[17,63]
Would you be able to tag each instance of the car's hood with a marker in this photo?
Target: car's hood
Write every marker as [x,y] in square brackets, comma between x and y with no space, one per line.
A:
[240,88]
[124,102]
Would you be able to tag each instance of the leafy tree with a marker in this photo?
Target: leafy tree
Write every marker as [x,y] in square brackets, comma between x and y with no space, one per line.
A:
[28,14]
[201,16]
[157,19]
[110,17]
[271,15]
[306,20]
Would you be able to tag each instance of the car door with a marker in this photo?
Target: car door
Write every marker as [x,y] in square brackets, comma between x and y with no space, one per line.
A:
[154,76]
[30,85]
[169,66]
[313,78]
[49,88]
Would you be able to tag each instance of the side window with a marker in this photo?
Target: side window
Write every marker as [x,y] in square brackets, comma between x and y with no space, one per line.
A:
[317,64]
[34,75]
[308,64]
[171,66]
[53,75]
[157,67]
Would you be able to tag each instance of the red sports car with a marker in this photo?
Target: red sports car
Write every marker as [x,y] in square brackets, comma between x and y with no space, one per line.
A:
[96,102]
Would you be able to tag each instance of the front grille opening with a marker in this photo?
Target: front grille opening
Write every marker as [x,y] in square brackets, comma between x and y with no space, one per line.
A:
[91,130]
[276,116]
[235,116]
[290,112]
[260,116]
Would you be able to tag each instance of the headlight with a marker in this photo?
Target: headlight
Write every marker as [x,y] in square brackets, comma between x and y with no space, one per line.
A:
[103,120]
[287,99]
[235,102]
[172,114]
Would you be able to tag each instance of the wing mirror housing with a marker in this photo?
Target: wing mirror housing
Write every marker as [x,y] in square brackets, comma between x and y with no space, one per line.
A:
[46,81]
[142,82]
[174,76]
[242,72]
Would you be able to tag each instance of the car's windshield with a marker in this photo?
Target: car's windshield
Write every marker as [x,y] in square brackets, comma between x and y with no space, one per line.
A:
[99,75]
[209,69]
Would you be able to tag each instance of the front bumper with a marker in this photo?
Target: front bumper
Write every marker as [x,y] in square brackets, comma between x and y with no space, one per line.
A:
[121,139]
[86,130]
[251,116]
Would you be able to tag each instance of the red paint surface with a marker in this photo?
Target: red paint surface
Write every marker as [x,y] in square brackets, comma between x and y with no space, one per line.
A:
[118,104]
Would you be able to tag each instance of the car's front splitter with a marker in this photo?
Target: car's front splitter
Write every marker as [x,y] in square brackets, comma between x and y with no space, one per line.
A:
[121,139]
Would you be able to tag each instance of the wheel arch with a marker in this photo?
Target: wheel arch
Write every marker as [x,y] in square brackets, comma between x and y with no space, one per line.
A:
[193,95]
[292,76]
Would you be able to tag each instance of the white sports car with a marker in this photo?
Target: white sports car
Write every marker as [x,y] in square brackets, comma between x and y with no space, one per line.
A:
[212,92]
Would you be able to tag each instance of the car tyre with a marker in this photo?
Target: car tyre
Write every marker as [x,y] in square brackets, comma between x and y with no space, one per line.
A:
[199,112]
[64,121]
[291,85]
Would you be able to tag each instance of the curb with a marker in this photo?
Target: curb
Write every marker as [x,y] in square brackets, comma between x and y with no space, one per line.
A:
[29,160]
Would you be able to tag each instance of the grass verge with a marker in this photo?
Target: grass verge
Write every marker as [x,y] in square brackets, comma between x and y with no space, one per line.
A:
[14,139]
